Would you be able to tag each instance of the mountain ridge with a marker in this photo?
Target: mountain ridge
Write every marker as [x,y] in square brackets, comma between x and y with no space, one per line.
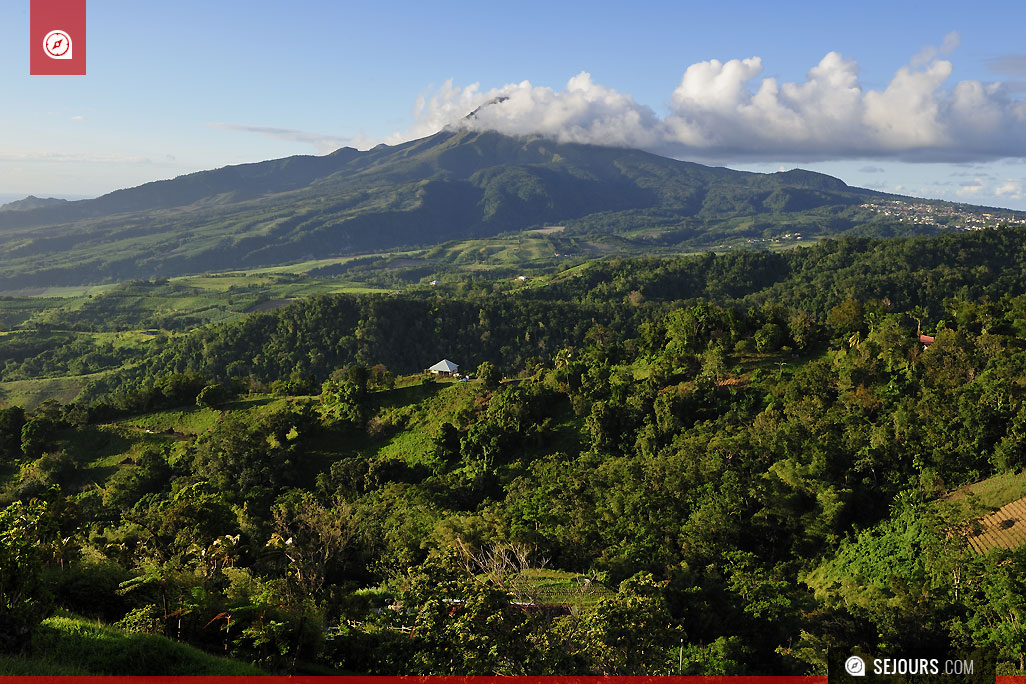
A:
[31,202]
[456,184]
[297,171]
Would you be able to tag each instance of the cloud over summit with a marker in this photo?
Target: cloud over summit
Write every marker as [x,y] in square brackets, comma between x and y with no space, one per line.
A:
[730,111]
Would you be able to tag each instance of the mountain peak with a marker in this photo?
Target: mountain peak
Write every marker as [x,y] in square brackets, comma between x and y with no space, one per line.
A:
[498,100]
[31,202]
[800,178]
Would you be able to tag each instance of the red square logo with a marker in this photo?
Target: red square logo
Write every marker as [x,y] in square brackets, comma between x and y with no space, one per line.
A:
[57,38]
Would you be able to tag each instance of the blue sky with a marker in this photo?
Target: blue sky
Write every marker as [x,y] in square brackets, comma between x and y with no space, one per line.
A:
[184,86]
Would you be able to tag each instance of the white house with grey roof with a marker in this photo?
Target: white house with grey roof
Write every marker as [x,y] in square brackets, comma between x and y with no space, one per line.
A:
[444,367]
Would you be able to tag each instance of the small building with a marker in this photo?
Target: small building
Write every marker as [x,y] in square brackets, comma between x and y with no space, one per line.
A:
[445,367]
[925,340]
[434,282]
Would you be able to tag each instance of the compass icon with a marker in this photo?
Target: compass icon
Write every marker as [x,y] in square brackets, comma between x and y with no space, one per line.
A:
[57,45]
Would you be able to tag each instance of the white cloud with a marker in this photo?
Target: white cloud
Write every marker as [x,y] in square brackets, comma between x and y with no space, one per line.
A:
[446,104]
[969,188]
[950,43]
[928,53]
[322,143]
[583,112]
[1009,65]
[729,111]
[1012,189]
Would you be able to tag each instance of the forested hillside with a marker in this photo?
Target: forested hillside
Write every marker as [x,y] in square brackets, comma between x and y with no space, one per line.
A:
[925,279]
[712,464]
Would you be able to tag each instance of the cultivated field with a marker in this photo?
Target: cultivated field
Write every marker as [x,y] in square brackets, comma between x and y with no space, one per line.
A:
[1004,529]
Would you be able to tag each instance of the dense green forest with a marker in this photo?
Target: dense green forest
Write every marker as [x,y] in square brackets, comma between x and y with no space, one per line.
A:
[709,464]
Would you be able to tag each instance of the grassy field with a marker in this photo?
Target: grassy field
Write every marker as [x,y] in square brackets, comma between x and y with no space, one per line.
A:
[69,291]
[995,491]
[182,421]
[193,420]
[69,645]
[417,412]
[31,393]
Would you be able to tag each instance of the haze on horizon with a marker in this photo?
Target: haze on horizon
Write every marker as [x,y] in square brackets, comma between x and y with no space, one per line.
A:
[881,96]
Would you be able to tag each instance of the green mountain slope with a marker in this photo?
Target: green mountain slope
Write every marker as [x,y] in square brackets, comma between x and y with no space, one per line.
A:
[446,186]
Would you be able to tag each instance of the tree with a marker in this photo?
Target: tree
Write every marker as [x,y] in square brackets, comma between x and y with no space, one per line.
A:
[313,537]
[846,318]
[127,485]
[252,462]
[26,531]
[381,377]
[714,362]
[12,420]
[212,396]
[611,426]
[768,338]
[631,632]
[359,375]
[489,374]
[997,602]
[181,525]
[35,435]
[461,624]
[801,326]
[445,446]
[342,399]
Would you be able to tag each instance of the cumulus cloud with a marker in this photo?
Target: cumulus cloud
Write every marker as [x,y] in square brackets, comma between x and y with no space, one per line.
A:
[730,111]
[582,112]
[967,188]
[1012,189]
